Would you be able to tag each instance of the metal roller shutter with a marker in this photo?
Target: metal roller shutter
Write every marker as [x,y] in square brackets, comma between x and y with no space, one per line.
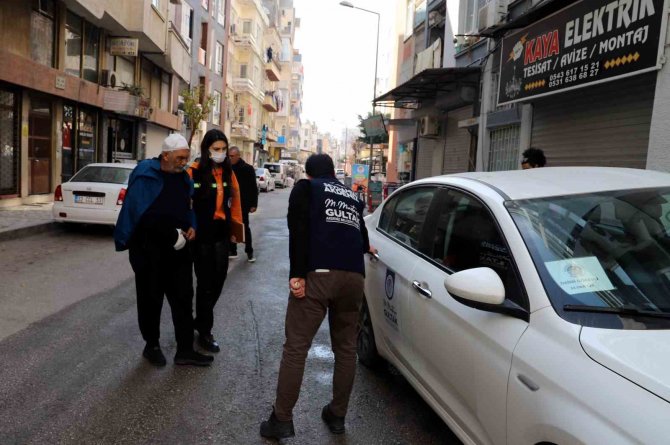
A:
[457,147]
[605,125]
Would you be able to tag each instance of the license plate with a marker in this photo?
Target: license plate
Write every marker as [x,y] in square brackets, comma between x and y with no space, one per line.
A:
[79,199]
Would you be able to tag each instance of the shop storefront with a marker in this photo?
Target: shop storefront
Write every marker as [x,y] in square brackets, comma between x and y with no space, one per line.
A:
[79,136]
[589,72]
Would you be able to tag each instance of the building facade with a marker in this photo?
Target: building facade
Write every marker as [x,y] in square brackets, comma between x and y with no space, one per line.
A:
[82,81]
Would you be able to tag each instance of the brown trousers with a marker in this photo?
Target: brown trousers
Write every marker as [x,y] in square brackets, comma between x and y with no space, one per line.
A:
[339,294]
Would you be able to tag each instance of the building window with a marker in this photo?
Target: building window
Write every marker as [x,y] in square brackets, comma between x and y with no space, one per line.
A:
[91,52]
[219,59]
[202,53]
[470,17]
[246,26]
[243,70]
[221,12]
[42,32]
[156,3]
[216,108]
[186,28]
[73,33]
[409,19]
[125,69]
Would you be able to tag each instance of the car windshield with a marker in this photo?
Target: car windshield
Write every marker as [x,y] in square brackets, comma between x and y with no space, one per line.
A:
[273,168]
[108,175]
[604,258]
[260,171]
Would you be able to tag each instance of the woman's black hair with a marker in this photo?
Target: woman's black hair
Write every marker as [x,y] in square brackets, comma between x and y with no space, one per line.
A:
[206,162]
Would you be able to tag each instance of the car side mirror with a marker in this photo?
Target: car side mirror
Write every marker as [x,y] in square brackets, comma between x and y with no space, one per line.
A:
[478,285]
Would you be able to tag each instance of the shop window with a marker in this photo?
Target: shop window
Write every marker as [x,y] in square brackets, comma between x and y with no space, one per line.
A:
[9,144]
[42,32]
[86,138]
[125,69]
[68,141]
[73,46]
[39,146]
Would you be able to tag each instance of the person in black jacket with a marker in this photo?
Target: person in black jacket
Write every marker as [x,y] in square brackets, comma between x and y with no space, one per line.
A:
[246,177]
[218,211]
[327,243]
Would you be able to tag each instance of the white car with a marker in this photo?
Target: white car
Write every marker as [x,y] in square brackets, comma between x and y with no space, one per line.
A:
[94,195]
[528,307]
[279,172]
[265,180]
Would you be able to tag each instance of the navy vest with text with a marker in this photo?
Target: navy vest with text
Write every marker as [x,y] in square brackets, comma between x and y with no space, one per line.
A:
[335,227]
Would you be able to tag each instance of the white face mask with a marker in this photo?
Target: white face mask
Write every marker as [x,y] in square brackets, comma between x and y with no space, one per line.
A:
[217,156]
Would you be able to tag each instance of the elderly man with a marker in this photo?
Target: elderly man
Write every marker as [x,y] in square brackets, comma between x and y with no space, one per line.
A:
[155,223]
[246,177]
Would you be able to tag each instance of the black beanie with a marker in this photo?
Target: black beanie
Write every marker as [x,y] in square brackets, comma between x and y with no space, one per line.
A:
[318,166]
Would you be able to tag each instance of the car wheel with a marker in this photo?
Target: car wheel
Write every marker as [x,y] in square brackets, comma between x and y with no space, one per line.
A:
[366,348]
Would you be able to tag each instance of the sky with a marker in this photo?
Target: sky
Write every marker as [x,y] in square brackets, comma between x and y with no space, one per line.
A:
[338,51]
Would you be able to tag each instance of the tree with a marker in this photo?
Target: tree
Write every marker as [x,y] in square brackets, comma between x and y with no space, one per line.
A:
[197,106]
[382,139]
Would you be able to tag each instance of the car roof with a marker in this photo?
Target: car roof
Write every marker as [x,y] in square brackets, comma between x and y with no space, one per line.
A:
[558,181]
[112,164]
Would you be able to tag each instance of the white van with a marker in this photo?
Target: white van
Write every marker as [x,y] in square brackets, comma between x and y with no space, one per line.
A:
[278,171]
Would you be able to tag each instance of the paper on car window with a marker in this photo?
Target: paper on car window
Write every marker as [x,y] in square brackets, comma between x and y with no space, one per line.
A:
[579,275]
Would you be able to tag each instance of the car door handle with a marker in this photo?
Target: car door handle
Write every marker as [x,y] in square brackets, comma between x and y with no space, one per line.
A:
[422,290]
[374,256]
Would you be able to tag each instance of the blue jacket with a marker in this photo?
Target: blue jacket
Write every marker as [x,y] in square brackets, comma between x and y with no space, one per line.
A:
[144,186]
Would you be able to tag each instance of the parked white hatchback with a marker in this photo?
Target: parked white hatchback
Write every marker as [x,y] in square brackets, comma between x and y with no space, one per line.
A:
[528,307]
[265,180]
[94,195]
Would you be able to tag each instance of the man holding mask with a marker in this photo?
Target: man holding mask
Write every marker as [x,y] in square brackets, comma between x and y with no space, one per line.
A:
[155,223]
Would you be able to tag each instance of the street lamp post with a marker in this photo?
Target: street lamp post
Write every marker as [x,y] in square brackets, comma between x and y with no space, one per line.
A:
[374,93]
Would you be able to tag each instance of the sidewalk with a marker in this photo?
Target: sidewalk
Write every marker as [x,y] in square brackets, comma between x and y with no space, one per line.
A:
[24,220]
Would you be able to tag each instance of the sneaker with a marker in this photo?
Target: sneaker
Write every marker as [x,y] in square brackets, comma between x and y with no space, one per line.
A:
[335,423]
[192,358]
[251,258]
[274,428]
[232,255]
[208,343]
[154,355]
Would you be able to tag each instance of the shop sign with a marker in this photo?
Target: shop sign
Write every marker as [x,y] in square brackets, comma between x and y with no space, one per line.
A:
[589,42]
[122,46]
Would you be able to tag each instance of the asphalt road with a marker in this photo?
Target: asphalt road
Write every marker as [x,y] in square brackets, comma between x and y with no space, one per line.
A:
[71,370]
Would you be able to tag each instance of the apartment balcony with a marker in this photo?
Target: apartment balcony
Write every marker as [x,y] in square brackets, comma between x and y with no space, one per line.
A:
[270,102]
[243,131]
[243,85]
[178,55]
[246,41]
[130,18]
[272,135]
[273,71]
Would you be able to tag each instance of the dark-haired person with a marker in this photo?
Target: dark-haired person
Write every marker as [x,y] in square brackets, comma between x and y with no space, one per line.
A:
[327,242]
[155,223]
[533,158]
[246,177]
[216,203]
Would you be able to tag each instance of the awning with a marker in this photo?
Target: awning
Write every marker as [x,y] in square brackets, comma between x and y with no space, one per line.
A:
[427,85]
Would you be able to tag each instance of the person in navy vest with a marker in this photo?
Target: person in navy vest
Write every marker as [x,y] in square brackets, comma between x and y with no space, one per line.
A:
[327,244]
[155,223]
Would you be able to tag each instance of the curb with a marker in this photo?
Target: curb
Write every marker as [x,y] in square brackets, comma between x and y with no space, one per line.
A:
[23,232]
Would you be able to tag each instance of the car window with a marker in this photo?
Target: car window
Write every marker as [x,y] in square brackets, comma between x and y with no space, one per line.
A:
[466,236]
[273,168]
[260,172]
[404,215]
[109,175]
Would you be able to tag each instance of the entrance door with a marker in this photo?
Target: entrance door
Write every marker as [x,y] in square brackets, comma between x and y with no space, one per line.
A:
[120,140]
[39,146]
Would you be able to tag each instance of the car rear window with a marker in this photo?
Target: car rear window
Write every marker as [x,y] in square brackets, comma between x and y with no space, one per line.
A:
[108,175]
[273,168]
[260,171]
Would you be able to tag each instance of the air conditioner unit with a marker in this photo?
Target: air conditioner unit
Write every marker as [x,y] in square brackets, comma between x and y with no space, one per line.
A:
[109,78]
[492,14]
[429,126]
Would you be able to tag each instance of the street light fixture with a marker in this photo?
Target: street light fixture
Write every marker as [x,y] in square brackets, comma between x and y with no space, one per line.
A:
[374,93]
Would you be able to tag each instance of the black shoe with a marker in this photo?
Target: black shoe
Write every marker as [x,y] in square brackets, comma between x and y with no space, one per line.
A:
[335,423]
[274,428]
[208,343]
[192,358]
[154,355]
[251,258]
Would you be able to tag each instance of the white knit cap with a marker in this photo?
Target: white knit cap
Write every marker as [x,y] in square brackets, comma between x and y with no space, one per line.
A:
[175,142]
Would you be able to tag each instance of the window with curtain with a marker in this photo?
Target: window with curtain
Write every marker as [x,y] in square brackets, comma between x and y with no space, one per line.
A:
[73,44]
[42,32]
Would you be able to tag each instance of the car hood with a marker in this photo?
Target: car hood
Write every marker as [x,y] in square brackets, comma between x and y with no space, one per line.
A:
[641,356]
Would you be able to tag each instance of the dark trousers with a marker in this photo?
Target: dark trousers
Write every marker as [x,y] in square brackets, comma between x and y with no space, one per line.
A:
[248,247]
[163,272]
[211,269]
[339,294]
